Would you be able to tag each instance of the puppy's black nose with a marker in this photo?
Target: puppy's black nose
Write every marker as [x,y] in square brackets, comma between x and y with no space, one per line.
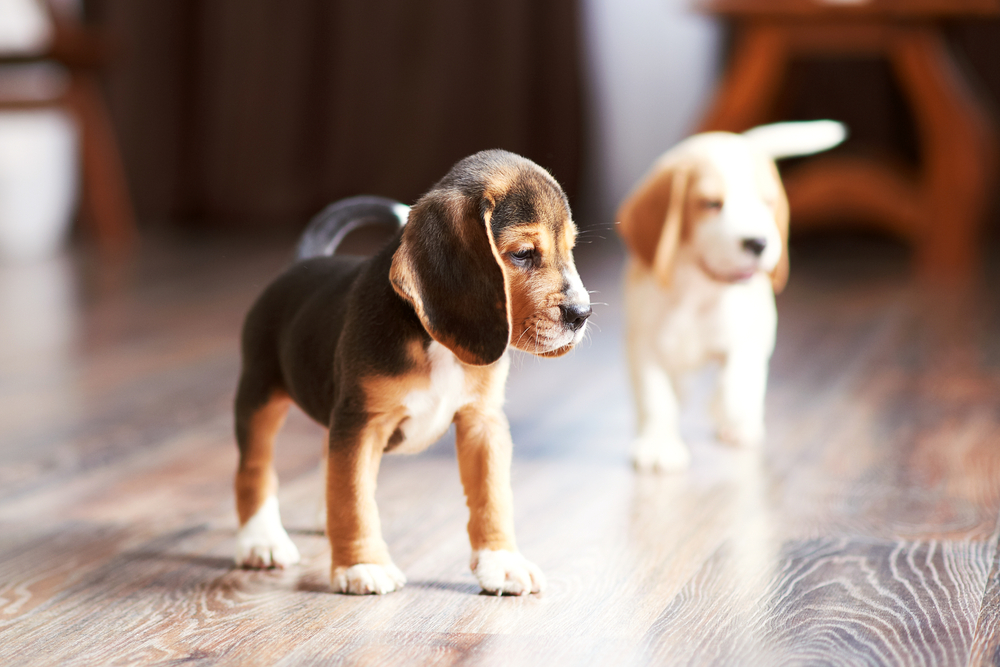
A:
[574,315]
[754,245]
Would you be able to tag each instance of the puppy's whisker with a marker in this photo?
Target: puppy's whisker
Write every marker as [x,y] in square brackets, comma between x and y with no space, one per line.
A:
[598,226]
[524,330]
[527,327]
[518,341]
[534,337]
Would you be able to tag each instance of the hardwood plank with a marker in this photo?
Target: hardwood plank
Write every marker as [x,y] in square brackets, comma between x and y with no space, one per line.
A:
[986,642]
[864,531]
[835,601]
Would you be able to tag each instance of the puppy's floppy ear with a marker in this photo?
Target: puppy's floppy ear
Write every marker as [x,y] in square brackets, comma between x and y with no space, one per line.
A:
[448,268]
[652,219]
[779,275]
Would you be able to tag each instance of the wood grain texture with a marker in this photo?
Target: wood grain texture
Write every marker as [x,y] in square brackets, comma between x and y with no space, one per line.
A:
[986,642]
[863,532]
[829,601]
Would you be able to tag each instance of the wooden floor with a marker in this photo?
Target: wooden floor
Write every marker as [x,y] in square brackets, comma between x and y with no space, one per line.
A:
[863,533]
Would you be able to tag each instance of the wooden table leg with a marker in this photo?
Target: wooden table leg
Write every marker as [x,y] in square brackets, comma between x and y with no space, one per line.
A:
[751,83]
[958,146]
[105,189]
[941,216]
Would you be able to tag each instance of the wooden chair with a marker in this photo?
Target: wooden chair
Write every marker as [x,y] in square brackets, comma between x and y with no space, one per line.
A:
[83,51]
[939,209]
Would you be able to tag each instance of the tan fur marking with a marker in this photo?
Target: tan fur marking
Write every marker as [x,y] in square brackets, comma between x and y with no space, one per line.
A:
[385,395]
[352,521]
[498,256]
[535,235]
[645,213]
[779,277]
[673,233]
[641,215]
[499,182]
[535,295]
[404,282]
[482,439]
[256,480]
[568,240]
[486,384]
[353,524]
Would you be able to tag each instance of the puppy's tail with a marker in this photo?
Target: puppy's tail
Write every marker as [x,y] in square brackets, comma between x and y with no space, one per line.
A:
[326,231]
[781,140]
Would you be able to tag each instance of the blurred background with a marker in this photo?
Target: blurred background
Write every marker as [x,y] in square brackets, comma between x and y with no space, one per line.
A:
[158,158]
[250,117]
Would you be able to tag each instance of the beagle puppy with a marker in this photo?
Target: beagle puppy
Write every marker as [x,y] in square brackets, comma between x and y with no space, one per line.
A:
[387,352]
[707,231]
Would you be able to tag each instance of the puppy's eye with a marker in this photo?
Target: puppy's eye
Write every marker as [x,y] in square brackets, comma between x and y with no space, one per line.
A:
[524,257]
[711,204]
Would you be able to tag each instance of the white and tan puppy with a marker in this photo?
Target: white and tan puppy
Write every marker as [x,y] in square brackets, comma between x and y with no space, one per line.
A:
[707,232]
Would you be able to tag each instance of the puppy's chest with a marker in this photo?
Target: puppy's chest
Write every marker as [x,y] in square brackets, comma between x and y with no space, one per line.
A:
[688,330]
[431,409]
[689,338]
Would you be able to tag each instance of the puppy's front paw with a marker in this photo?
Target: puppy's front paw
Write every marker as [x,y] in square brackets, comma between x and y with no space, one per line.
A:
[746,434]
[367,579]
[262,541]
[503,571]
[660,454]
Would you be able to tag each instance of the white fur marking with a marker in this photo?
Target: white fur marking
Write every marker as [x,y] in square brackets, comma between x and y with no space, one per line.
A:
[503,571]
[781,140]
[745,214]
[430,411]
[577,293]
[720,303]
[262,541]
[672,332]
[367,579]
[402,211]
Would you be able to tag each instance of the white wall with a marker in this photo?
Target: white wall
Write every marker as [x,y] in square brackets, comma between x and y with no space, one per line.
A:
[650,66]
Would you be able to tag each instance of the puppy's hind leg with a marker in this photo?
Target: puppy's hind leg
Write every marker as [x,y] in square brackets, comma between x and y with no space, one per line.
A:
[261,541]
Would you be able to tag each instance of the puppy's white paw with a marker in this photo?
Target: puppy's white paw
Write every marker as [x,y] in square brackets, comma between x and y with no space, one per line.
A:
[262,541]
[742,434]
[660,454]
[503,571]
[366,579]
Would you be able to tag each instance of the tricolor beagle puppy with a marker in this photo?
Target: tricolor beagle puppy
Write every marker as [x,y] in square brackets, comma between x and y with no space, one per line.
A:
[707,232]
[387,352]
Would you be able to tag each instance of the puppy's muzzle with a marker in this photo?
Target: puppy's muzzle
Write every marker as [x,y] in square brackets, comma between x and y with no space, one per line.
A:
[575,315]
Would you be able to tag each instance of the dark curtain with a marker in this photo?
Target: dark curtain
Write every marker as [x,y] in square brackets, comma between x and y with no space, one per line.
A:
[254,112]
